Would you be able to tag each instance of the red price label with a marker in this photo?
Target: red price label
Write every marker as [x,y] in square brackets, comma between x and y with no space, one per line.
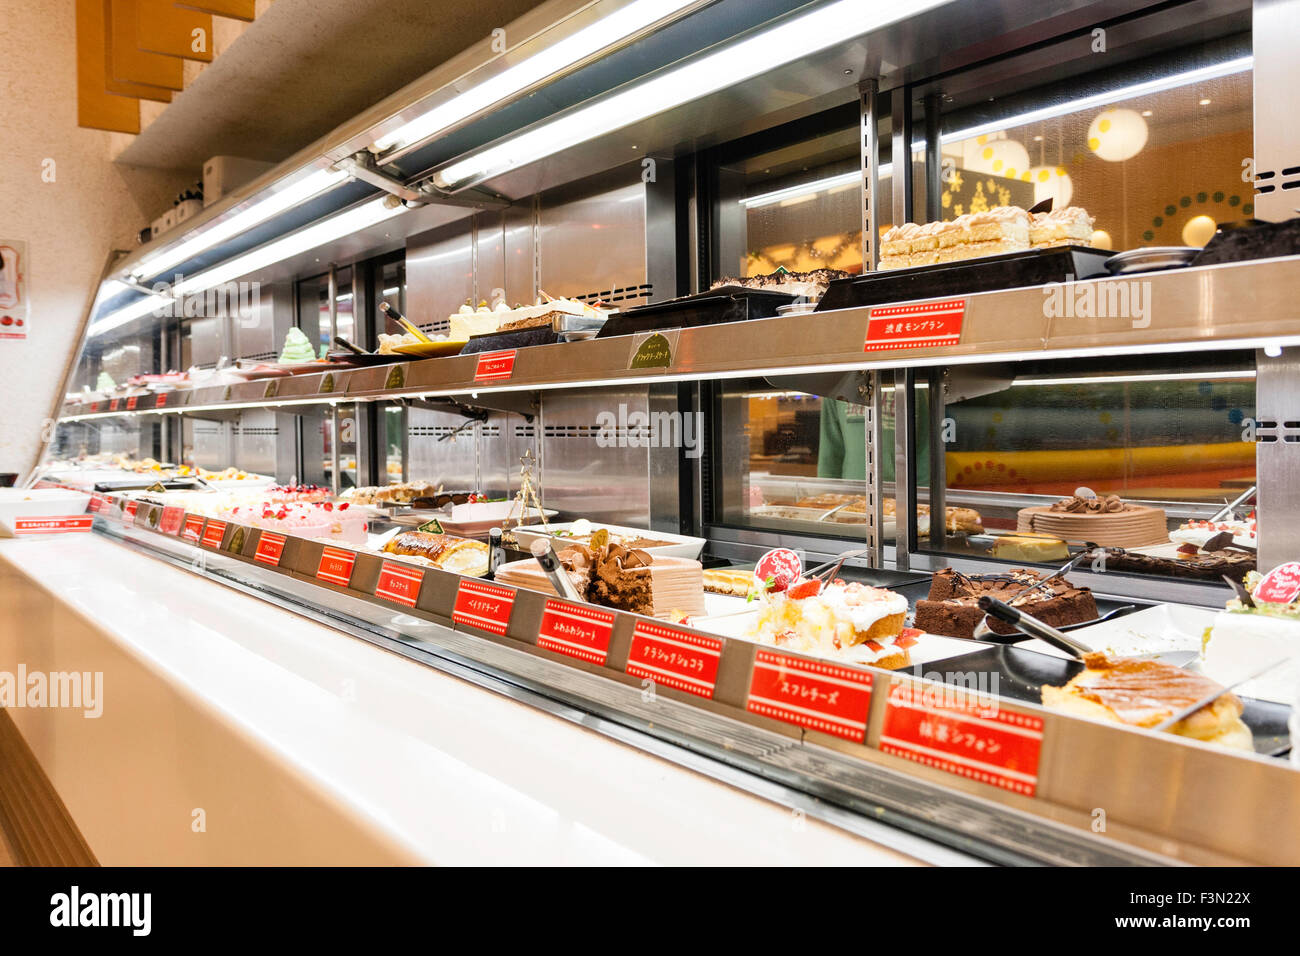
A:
[193,528]
[269,548]
[131,402]
[482,605]
[96,503]
[964,733]
[576,630]
[679,659]
[94,406]
[336,566]
[212,535]
[1279,586]
[129,509]
[161,400]
[813,694]
[170,522]
[112,406]
[914,326]
[495,366]
[53,524]
[400,583]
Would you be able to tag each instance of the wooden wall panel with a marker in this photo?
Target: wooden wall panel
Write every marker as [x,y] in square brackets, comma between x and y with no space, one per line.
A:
[236,9]
[162,27]
[127,62]
[96,107]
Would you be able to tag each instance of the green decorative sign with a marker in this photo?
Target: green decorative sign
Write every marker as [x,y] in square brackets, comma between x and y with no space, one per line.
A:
[225,397]
[236,542]
[327,383]
[433,526]
[655,352]
[272,388]
[396,377]
[156,487]
[154,514]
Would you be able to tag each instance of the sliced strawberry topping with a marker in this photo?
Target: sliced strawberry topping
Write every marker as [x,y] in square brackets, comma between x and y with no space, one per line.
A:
[804,589]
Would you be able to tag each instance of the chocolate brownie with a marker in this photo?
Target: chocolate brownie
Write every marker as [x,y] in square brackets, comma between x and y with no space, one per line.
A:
[952,609]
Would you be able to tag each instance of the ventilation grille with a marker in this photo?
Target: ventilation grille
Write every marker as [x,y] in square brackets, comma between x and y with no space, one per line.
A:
[624,294]
[435,431]
[1271,180]
[256,430]
[260,357]
[1269,430]
[591,431]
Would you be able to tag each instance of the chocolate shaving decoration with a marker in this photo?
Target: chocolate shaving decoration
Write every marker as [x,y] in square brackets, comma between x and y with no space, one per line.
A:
[1242,594]
[1044,206]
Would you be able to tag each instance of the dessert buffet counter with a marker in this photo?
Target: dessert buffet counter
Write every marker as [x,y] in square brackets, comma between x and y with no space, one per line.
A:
[233,731]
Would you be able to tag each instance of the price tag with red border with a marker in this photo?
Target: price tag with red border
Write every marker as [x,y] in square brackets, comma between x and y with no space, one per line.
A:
[161,400]
[129,509]
[965,733]
[172,517]
[96,503]
[576,630]
[112,405]
[924,326]
[193,528]
[483,605]
[814,694]
[336,566]
[673,657]
[399,583]
[53,524]
[131,402]
[495,366]
[94,406]
[270,546]
[213,533]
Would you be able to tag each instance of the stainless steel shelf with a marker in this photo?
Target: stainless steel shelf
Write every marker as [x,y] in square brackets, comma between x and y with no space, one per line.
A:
[1236,305]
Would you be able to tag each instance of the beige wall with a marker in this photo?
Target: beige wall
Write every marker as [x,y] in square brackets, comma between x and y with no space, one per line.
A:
[69,224]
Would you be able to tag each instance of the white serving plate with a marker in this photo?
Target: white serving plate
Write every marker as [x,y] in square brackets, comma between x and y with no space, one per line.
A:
[680,546]
[251,483]
[1152,630]
[476,519]
[38,503]
[928,647]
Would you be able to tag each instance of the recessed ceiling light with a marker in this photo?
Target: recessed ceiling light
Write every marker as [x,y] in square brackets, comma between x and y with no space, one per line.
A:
[1205,102]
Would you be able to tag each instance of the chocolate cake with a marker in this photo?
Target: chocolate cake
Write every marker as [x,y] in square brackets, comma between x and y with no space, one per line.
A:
[953,610]
[617,577]
[1204,566]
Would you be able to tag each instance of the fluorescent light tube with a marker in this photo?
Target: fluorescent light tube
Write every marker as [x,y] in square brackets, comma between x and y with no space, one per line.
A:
[327,230]
[1107,98]
[796,38]
[590,40]
[300,188]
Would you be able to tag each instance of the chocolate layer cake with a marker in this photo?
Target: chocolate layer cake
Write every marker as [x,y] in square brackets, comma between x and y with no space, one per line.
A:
[953,610]
[1205,566]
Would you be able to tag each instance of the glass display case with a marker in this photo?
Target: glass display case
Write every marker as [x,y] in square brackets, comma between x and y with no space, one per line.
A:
[1044,429]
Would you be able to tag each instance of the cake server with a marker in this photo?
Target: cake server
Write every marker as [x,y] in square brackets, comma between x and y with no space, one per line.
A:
[544,552]
[1031,625]
[1068,566]
[1208,699]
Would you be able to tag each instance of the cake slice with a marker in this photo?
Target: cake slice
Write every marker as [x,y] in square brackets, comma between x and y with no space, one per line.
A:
[952,608]
[1144,693]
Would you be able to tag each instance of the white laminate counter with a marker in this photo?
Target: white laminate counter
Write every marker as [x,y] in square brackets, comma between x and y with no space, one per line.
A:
[298,744]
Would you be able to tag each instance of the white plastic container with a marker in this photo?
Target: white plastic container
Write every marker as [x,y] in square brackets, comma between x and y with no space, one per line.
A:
[38,503]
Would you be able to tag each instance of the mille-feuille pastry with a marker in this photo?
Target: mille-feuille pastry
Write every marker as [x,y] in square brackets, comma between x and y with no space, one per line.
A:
[1144,693]
[1069,226]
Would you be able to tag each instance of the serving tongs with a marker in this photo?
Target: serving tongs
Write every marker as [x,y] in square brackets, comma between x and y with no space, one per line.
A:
[1030,625]
[544,552]
[825,573]
[404,322]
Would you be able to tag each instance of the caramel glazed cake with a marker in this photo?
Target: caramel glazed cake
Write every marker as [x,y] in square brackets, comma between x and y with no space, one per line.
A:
[1108,521]
[987,233]
[952,608]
